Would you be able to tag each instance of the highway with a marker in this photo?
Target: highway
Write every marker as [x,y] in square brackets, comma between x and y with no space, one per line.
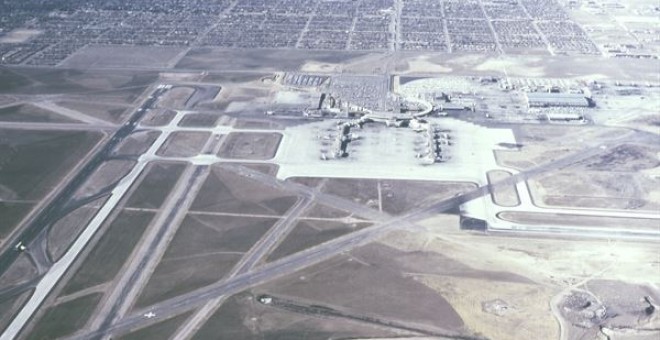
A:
[324,251]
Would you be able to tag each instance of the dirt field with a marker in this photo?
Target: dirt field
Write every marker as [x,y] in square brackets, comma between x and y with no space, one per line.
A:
[503,196]
[393,196]
[162,330]
[32,163]
[184,144]
[268,60]
[122,56]
[10,307]
[578,220]
[109,112]
[307,234]
[107,174]
[22,270]
[64,319]
[199,120]
[30,113]
[137,143]
[158,117]
[203,250]
[249,145]
[62,234]
[117,86]
[224,191]
[154,187]
[257,124]
[324,211]
[107,256]
[241,317]
[531,272]
[12,214]
[625,158]
[349,282]
[175,98]
[596,189]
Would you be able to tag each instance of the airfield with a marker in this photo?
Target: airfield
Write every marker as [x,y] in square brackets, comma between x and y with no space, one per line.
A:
[363,183]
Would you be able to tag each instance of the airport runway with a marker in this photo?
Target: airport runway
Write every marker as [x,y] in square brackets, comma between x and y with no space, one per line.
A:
[55,210]
[324,251]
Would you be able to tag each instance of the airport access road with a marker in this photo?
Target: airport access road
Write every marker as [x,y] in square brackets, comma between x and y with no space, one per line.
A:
[327,250]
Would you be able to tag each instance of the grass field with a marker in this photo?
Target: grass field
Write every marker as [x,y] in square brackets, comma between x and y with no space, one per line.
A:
[225,191]
[111,252]
[109,112]
[184,144]
[34,162]
[30,113]
[162,330]
[63,232]
[12,213]
[307,234]
[203,250]
[199,120]
[65,318]
[249,145]
[156,185]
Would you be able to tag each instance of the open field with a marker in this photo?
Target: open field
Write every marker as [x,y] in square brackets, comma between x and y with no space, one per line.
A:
[64,232]
[257,124]
[154,187]
[158,117]
[184,144]
[162,330]
[249,145]
[505,197]
[497,284]
[242,317]
[597,189]
[65,318]
[175,98]
[307,234]
[531,218]
[124,86]
[266,60]
[32,164]
[12,214]
[393,196]
[226,192]
[203,250]
[199,120]
[122,56]
[109,112]
[35,161]
[137,143]
[108,173]
[30,113]
[11,306]
[341,282]
[111,252]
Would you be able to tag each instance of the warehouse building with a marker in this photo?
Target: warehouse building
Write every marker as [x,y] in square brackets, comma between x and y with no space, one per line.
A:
[552,99]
